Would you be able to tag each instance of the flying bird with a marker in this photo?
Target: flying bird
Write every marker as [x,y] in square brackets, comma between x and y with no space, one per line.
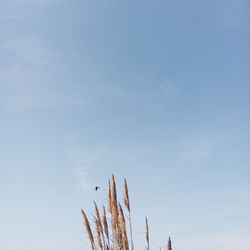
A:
[96,188]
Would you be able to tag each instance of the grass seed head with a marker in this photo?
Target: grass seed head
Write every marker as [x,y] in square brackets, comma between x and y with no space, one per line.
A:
[147,232]
[88,228]
[109,198]
[105,223]
[126,196]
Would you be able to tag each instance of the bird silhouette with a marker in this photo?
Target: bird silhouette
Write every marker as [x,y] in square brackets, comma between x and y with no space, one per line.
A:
[96,188]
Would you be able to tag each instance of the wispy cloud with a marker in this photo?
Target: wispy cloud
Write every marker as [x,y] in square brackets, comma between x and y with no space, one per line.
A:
[12,17]
[164,157]
[81,174]
[83,163]
[28,82]
[14,6]
[28,49]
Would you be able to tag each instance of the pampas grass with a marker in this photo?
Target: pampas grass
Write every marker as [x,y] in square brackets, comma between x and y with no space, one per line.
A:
[111,230]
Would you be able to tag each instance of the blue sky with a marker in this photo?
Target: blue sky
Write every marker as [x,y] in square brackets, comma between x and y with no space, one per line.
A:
[154,91]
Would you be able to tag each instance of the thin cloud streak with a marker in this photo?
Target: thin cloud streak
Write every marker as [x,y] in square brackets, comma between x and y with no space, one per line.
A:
[12,17]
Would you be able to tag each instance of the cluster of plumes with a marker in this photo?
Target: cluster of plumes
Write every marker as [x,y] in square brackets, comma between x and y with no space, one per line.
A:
[110,229]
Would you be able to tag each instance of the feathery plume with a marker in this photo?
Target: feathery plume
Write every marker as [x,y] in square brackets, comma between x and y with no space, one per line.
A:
[123,228]
[127,205]
[98,231]
[147,232]
[99,222]
[114,209]
[109,198]
[126,196]
[105,223]
[98,216]
[114,213]
[90,235]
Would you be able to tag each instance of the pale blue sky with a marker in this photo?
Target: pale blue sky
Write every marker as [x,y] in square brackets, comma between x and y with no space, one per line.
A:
[154,91]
